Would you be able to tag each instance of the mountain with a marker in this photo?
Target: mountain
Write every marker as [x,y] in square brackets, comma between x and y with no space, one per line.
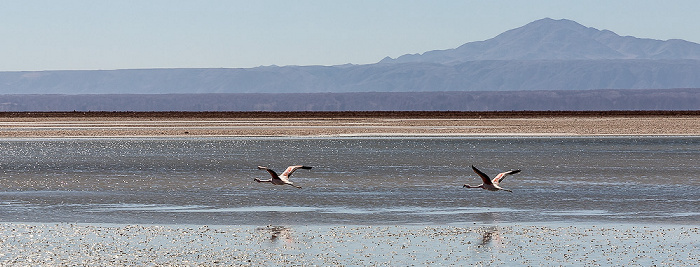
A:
[546,54]
[485,75]
[549,39]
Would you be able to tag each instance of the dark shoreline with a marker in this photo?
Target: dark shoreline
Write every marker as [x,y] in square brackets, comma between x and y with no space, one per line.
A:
[350,114]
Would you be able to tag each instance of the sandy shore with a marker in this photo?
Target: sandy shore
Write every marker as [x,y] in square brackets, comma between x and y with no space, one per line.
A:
[525,245]
[127,124]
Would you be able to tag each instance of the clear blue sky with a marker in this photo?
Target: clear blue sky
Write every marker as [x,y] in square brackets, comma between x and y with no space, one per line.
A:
[124,34]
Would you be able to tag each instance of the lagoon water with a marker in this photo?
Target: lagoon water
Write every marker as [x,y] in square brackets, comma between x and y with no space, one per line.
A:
[355,180]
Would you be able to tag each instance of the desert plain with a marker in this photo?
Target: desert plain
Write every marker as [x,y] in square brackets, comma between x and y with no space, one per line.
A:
[527,123]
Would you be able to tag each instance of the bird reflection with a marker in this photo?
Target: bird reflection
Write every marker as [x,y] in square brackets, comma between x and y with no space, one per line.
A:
[278,233]
[488,236]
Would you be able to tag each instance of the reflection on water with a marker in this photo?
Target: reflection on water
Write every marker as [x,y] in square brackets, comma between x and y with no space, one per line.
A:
[278,233]
[354,180]
[490,234]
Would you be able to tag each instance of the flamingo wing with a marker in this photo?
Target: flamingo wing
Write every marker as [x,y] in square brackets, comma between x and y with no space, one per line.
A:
[483,176]
[272,173]
[499,178]
[288,172]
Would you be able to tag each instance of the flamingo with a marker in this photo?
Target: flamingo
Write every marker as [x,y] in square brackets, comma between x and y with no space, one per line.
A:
[491,185]
[281,179]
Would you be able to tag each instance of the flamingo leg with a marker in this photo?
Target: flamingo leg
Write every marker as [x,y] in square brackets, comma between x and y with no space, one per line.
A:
[295,186]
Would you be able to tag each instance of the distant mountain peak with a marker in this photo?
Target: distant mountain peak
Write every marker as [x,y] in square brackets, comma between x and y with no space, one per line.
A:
[551,23]
[557,39]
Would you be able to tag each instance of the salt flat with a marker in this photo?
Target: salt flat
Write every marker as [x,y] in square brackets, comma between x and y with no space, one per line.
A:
[348,124]
[338,245]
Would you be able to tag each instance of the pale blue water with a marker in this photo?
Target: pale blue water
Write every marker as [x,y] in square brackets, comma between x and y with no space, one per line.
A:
[354,180]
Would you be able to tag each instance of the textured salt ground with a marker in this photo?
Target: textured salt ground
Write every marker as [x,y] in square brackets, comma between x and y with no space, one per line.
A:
[109,124]
[24,244]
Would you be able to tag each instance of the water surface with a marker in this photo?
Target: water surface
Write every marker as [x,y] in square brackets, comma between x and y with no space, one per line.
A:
[355,180]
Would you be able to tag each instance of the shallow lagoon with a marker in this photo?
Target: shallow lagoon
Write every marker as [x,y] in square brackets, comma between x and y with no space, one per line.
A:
[378,180]
[368,201]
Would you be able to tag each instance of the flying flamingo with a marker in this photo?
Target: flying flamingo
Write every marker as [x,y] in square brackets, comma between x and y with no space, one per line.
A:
[491,185]
[282,179]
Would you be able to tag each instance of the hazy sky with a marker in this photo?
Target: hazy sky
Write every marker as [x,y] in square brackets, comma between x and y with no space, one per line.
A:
[122,34]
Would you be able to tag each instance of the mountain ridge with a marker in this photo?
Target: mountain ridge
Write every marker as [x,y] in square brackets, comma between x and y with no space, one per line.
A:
[484,75]
[563,39]
[594,100]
